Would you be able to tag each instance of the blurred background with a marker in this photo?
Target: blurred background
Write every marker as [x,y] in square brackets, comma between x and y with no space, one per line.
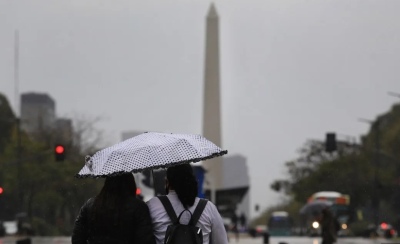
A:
[304,95]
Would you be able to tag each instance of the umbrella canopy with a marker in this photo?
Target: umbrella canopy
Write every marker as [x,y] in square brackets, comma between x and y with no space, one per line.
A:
[150,150]
[315,207]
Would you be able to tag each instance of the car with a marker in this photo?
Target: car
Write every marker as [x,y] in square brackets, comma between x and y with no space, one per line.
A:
[258,230]
[386,230]
[383,230]
[10,227]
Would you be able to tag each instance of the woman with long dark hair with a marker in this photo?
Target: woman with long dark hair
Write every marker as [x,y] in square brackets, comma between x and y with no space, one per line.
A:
[181,188]
[114,216]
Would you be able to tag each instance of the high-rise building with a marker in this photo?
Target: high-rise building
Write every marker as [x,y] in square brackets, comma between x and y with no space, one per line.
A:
[37,112]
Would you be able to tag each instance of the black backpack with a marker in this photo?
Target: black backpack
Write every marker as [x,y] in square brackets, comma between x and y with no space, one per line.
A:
[178,233]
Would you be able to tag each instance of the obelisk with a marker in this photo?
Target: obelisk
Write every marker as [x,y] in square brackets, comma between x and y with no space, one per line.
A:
[211,106]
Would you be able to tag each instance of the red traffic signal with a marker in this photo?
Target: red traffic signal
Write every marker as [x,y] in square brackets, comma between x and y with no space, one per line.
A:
[59,149]
[59,152]
[138,191]
[1,190]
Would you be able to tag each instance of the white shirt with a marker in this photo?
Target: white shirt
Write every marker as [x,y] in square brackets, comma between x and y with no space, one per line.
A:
[210,220]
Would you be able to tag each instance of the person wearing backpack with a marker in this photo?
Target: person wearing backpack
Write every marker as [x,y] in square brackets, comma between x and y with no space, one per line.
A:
[180,216]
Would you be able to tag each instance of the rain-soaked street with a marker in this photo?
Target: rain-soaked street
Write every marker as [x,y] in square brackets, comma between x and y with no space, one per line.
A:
[242,240]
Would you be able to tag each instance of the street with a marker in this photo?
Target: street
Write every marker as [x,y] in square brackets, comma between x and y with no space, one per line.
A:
[242,240]
[308,240]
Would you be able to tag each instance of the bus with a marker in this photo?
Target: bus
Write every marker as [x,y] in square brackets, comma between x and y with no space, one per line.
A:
[339,207]
[280,224]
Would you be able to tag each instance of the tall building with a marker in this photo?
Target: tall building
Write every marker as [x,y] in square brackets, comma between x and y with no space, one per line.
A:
[37,112]
[227,180]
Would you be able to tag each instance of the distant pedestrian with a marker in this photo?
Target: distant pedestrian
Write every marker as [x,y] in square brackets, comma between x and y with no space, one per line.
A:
[243,223]
[328,227]
[235,226]
[114,216]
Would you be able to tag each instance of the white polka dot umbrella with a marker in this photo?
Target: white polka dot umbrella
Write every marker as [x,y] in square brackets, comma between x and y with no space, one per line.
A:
[149,150]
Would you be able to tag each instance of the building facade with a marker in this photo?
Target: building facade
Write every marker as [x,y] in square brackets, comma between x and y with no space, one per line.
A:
[37,112]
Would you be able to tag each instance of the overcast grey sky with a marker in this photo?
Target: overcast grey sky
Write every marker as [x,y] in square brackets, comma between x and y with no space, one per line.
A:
[290,70]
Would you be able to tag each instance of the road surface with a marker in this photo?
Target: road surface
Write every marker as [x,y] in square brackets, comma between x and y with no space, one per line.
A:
[242,240]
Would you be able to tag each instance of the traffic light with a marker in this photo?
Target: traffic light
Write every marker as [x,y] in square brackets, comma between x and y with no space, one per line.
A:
[59,153]
[1,190]
[330,143]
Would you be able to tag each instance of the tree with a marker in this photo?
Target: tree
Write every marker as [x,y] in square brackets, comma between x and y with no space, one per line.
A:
[37,185]
[357,170]
[7,122]
[312,159]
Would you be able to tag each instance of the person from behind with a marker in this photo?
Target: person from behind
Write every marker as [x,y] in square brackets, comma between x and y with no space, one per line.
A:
[243,223]
[181,189]
[235,228]
[115,216]
[328,227]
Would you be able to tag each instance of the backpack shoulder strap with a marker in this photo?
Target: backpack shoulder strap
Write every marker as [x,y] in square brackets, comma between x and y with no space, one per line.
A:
[168,207]
[198,211]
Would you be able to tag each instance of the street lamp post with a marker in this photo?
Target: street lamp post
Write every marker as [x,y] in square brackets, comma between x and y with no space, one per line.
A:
[18,120]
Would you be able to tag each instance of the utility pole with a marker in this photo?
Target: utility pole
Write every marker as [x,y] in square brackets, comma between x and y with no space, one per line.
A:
[18,117]
[16,71]
[375,200]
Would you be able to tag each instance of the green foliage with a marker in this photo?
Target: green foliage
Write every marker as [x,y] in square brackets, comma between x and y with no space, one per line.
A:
[358,227]
[42,228]
[7,121]
[34,183]
[355,170]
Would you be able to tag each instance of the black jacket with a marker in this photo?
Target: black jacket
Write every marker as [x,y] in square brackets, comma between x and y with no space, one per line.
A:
[135,226]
